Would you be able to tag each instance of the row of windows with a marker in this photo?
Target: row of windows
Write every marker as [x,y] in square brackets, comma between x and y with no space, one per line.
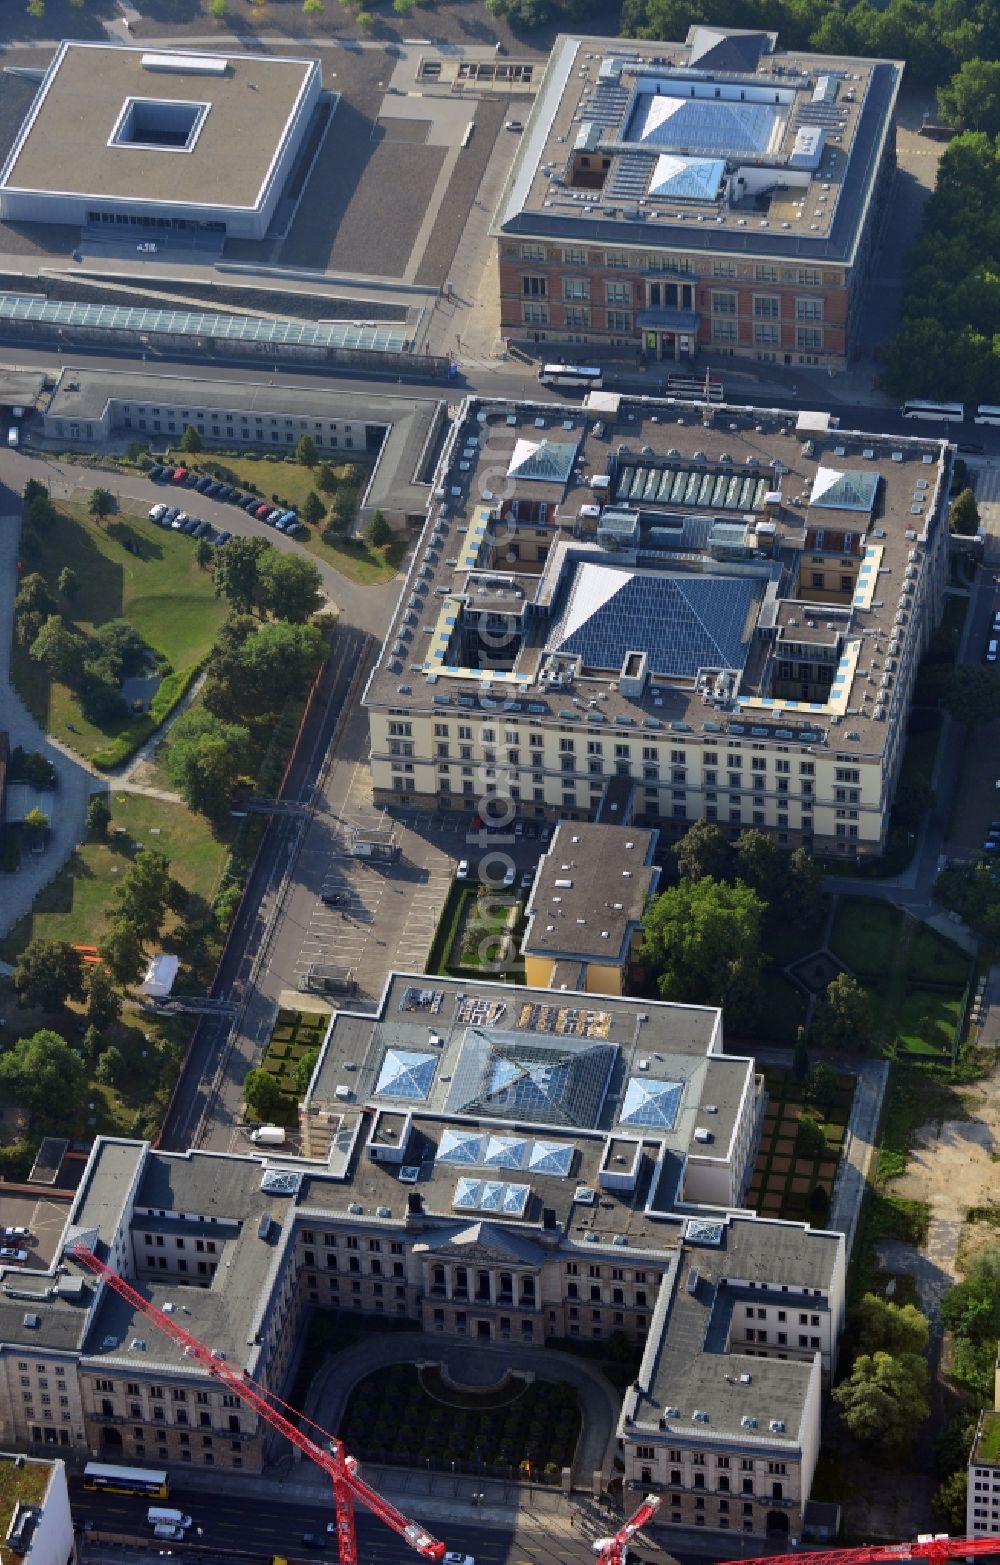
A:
[146,410]
[767,334]
[801,276]
[537,314]
[245,432]
[767,307]
[205,1246]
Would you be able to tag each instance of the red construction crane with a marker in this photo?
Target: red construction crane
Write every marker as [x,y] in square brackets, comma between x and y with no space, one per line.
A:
[342,1469]
[929,1546]
[611,1551]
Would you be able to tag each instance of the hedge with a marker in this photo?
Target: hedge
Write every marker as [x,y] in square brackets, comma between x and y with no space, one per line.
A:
[171,689]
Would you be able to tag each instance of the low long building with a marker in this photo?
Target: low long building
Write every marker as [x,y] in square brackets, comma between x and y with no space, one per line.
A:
[497,1165]
[725,605]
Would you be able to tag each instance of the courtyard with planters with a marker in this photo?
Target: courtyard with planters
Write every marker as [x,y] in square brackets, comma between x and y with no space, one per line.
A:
[409,1414]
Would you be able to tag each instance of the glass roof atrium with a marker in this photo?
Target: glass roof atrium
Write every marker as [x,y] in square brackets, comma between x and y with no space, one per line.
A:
[687,179]
[406,1073]
[683,623]
[473,1149]
[706,125]
[652,1103]
[508,1075]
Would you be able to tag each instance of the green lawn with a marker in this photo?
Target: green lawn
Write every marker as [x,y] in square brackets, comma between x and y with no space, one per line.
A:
[864,934]
[162,592]
[357,561]
[74,906]
[927,1022]
[934,959]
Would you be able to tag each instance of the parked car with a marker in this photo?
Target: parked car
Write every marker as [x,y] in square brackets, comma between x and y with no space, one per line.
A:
[18,1232]
[179,520]
[202,484]
[251,502]
[527,880]
[508,876]
[191,523]
[462,872]
[14,1256]
[313,1540]
[262,512]
[202,530]
[179,475]
[156,472]
[295,530]
[214,490]
[222,538]
[169,516]
[191,480]
[155,512]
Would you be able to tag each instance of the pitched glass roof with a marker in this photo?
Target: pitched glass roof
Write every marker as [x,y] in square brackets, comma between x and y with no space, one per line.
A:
[460,1146]
[406,1073]
[489,1195]
[684,623]
[550,1157]
[511,1075]
[835,490]
[687,179]
[703,124]
[505,1152]
[653,1103]
[547,461]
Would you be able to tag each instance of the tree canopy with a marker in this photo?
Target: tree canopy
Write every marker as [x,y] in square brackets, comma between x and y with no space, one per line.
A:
[144,894]
[971,100]
[46,1076]
[703,850]
[884,1327]
[47,974]
[263,1095]
[702,939]
[237,571]
[843,1015]
[884,1399]
[204,759]
[971,694]
[289,586]
[963,515]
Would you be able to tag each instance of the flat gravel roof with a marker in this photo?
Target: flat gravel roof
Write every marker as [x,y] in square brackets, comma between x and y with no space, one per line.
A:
[63,144]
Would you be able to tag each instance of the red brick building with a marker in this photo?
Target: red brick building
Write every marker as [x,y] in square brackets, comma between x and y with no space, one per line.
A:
[716,195]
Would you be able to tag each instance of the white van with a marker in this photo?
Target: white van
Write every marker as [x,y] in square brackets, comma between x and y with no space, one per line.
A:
[991,652]
[12,435]
[166,1516]
[168,1532]
[268,1136]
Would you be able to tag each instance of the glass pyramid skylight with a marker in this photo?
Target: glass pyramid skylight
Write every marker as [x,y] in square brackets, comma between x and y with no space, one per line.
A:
[406,1073]
[653,1103]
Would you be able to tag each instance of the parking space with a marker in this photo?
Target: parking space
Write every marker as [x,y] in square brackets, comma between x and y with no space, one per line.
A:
[44,1217]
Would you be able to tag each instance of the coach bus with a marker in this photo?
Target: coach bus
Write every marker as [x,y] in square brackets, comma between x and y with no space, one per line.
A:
[943,412]
[986,413]
[570,375]
[126,1480]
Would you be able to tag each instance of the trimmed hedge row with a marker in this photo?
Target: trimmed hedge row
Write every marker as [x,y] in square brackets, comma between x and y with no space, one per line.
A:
[171,689]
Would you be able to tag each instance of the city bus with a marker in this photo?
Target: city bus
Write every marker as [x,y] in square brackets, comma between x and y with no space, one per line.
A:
[126,1480]
[943,412]
[987,414]
[570,375]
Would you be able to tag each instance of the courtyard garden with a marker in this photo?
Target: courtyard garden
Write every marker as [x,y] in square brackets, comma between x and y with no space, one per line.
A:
[479,933]
[803,1137]
[411,1416]
[289,1060]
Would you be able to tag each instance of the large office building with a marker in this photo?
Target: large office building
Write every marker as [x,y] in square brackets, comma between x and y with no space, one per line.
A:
[139,140]
[499,1166]
[725,606]
[982,1517]
[717,194]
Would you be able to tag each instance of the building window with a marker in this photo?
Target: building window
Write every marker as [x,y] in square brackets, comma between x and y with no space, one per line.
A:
[618,293]
[809,277]
[723,268]
[575,258]
[619,320]
[809,337]
[766,307]
[532,252]
[765,274]
[766,336]
[724,331]
[616,258]
[535,287]
[723,304]
[809,309]
[576,288]
[577,316]
[535,314]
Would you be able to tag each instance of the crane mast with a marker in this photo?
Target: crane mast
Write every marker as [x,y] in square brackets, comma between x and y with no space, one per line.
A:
[934,1547]
[340,1467]
[613,1552]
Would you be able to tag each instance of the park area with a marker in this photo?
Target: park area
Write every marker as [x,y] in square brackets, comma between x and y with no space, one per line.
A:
[915,978]
[125,568]
[75,905]
[410,1415]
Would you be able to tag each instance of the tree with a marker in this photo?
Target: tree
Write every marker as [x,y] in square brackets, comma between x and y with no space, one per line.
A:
[702,938]
[68,582]
[843,1015]
[35,823]
[971,1309]
[302,1073]
[963,515]
[119,650]
[760,863]
[971,100]
[144,894]
[820,1084]
[45,1075]
[703,851]
[61,651]
[325,481]
[204,758]
[36,9]
[950,1501]
[890,1328]
[971,695]
[121,951]
[103,1005]
[33,490]
[101,503]
[312,7]
[203,553]
[191,441]
[378,532]
[217,8]
[289,586]
[305,451]
[47,974]
[313,511]
[237,571]
[110,1068]
[884,1399]
[279,661]
[810,1142]
[264,1098]
[802,895]
[31,766]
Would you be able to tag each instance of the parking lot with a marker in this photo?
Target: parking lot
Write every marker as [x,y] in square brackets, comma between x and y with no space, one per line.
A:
[43,1216]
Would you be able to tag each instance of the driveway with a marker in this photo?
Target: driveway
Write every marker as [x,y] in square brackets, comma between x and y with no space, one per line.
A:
[73,783]
[478,1364]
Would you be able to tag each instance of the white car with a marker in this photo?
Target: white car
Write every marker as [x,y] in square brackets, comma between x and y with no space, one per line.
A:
[156,511]
[462,872]
[13,1255]
[459,1559]
[508,877]
[179,520]
[147,247]
[14,1233]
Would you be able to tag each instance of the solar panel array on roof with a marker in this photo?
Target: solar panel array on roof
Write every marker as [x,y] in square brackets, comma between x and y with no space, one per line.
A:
[720,488]
[683,623]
